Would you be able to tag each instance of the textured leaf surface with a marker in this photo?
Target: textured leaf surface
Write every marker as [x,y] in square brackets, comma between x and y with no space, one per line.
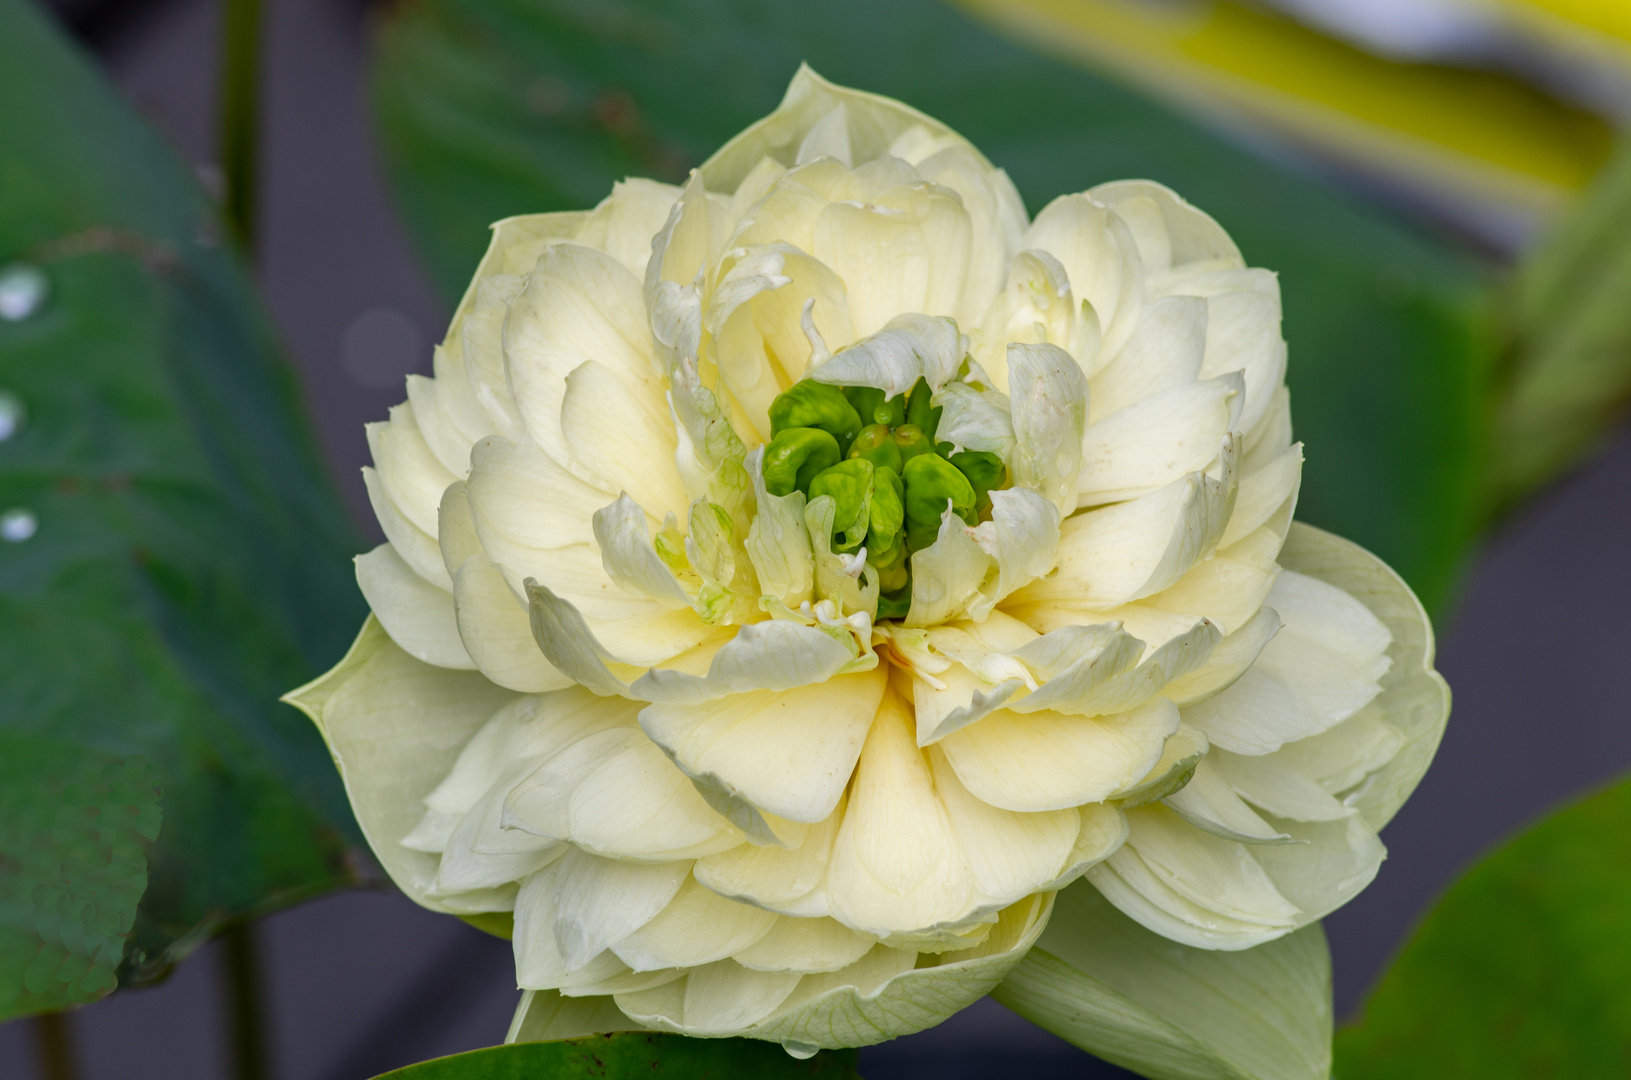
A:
[1170,1012]
[1519,971]
[189,562]
[673,1057]
[74,830]
[496,107]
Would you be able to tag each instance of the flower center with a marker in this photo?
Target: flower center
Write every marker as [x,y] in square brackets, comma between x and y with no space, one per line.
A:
[876,457]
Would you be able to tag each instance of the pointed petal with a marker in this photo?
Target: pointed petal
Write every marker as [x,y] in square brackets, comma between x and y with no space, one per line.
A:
[418,616]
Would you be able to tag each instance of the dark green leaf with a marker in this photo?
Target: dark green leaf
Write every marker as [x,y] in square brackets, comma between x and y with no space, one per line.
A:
[1566,372]
[189,561]
[74,827]
[673,1057]
[497,107]
[1519,971]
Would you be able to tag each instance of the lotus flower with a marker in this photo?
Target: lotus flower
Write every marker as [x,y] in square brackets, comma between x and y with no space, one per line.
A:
[796,578]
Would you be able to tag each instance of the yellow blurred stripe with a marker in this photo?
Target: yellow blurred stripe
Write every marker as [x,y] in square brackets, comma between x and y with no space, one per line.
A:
[1462,131]
[1611,17]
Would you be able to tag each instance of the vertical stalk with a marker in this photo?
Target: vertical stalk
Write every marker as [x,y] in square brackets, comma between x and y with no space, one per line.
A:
[239,117]
[54,1045]
[245,1013]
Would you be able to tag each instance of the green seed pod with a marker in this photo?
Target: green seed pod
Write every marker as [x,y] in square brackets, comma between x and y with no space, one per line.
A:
[795,456]
[930,481]
[877,445]
[985,472]
[873,408]
[887,515]
[911,442]
[850,485]
[810,404]
[920,412]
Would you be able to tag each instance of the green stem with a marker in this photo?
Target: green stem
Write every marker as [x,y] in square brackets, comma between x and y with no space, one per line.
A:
[241,983]
[240,114]
[54,1043]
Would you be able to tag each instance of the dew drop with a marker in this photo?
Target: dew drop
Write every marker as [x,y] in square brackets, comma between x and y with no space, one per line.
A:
[17,525]
[800,1050]
[23,289]
[12,415]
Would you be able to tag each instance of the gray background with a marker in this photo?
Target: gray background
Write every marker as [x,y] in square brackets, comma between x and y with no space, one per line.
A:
[366,981]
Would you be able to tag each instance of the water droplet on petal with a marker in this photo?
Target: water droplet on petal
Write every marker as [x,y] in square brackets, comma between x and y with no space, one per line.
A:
[800,1050]
[17,525]
[12,415]
[23,289]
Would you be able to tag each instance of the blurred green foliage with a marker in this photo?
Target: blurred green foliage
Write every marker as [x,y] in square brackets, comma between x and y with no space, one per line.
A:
[191,560]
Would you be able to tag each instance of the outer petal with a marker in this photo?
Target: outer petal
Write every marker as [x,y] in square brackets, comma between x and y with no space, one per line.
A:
[1415,700]
[393,723]
[418,616]
[1142,1001]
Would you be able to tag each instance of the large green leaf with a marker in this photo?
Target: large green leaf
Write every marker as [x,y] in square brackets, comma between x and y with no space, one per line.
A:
[187,561]
[1520,970]
[495,107]
[672,1057]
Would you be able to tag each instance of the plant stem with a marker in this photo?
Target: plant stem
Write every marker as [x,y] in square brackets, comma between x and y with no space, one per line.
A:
[241,984]
[54,1043]
[240,115]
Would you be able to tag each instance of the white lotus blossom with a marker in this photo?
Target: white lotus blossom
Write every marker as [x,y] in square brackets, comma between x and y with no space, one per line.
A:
[797,577]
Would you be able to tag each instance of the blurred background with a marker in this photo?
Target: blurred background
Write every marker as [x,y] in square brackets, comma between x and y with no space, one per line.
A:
[1435,145]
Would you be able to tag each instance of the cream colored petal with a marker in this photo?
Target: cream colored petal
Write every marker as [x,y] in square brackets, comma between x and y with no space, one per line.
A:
[623,533]
[461,418]
[1048,402]
[1135,549]
[1010,855]
[774,655]
[496,631]
[1271,436]
[625,221]
[959,700]
[1100,255]
[439,429]
[1229,659]
[896,865]
[480,341]
[598,901]
[697,927]
[1156,441]
[905,250]
[1277,788]
[790,753]
[883,994]
[412,477]
[418,616]
[527,499]
[486,756]
[1169,231]
[1049,761]
[515,247]
[613,793]
[417,547]
[777,544]
[1340,758]
[770,876]
[393,723]
[872,123]
[1255,715]
[1415,702]
[1191,886]
[1327,864]
[464,868]
[1103,829]
[947,575]
[1210,803]
[1338,622]
[975,419]
[1229,588]
[1243,333]
[1164,353]
[456,528]
[544,1015]
[805,946]
[995,212]
[1179,757]
[727,997]
[616,435]
[1089,689]
[908,348]
[1022,539]
[1264,491]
